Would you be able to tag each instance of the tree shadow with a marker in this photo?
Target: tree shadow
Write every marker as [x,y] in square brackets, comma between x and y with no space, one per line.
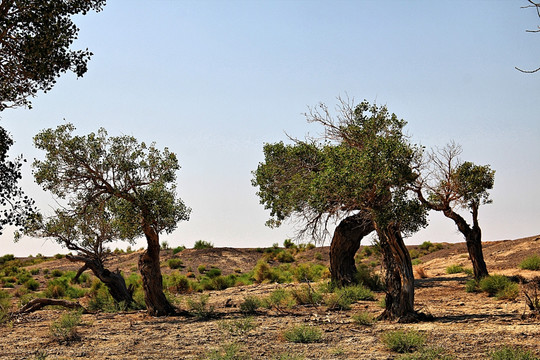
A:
[473,317]
[435,281]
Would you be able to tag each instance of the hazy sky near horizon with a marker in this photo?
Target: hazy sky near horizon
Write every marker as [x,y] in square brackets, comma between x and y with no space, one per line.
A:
[215,80]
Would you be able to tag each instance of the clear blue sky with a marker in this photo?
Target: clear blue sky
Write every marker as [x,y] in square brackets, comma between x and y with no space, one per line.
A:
[214,80]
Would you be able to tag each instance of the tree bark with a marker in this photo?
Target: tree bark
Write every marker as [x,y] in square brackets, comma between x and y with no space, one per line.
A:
[473,238]
[37,304]
[399,277]
[345,244]
[150,269]
[113,280]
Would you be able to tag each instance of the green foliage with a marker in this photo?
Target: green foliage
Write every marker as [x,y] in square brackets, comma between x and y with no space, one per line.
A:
[5,306]
[65,328]
[344,297]
[213,272]
[231,351]
[306,295]
[175,263]
[201,269]
[200,307]
[403,341]
[499,286]
[531,263]
[309,272]
[57,273]
[5,258]
[285,257]
[512,353]
[471,285]
[238,327]
[178,249]
[178,283]
[303,334]
[365,276]
[201,244]
[250,305]
[426,245]
[364,318]
[288,244]
[454,269]
[164,245]
[60,287]
[31,284]
[279,299]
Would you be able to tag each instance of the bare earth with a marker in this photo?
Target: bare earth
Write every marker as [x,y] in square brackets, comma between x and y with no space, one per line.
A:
[466,325]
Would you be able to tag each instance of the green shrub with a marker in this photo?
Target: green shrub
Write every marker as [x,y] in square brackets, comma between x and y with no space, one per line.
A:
[403,341]
[303,334]
[231,351]
[364,318]
[426,245]
[201,308]
[57,273]
[263,272]
[509,292]
[365,276]
[471,286]
[201,269]
[309,272]
[59,256]
[178,249]
[531,263]
[250,305]
[454,269]
[414,253]
[4,259]
[343,297]
[498,285]
[5,305]
[31,284]
[65,328]
[213,272]
[164,245]
[201,244]
[34,271]
[318,256]
[279,299]
[59,288]
[306,295]
[175,263]
[178,283]
[101,299]
[285,257]
[238,327]
[288,244]
[510,353]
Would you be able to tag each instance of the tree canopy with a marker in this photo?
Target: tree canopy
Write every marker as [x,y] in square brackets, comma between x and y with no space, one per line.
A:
[137,181]
[35,40]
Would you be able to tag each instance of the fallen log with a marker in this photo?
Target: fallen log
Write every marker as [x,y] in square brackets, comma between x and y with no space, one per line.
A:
[37,304]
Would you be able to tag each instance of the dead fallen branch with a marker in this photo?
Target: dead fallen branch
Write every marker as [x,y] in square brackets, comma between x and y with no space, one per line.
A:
[38,304]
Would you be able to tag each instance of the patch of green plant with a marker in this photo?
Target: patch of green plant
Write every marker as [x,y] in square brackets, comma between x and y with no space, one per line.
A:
[427,354]
[178,283]
[285,257]
[5,305]
[471,286]
[59,256]
[531,263]
[309,272]
[60,287]
[403,341]
[65,328]
[201,244]
[264,272]
[416,262]
[365,276]
[238,327]
[57,273]
[426,245]
[164,245]
[8,257]
[288,244]
[499,286]
[454,269]
[344,297]
[280,299]
[364,319]
[250,305]
[288,356]
[178,249]
[31,284]
[213,272]
[175,263]
[303,334]
[200,307]
[306,295]
[414,254]
[231,351]
[34,271]
[512,353]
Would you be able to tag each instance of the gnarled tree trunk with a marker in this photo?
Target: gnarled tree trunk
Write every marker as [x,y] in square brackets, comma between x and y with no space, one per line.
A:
[149,266]
[113,280]
[345,244]
[399,276]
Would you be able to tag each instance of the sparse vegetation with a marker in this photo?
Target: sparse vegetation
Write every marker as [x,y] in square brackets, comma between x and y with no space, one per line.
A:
[201,244]
[238,327]
[454,269]
[65,328]
[531,263]
[175,263]
[200,307]
[303,334]
[512,353]
[499,286]
[403,341]
[364,319]
[427,354]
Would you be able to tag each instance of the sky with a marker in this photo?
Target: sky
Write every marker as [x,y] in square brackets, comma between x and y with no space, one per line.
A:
[215,80]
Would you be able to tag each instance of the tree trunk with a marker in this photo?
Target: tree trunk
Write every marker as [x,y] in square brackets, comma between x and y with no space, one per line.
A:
[345,244]
[149,266]
[399,277]
[113,280]
[474,247]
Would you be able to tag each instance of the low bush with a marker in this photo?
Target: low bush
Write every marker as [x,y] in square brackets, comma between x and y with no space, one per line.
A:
[499,286]
[303,334]
[178,249]
[279,299]
[65,328]
[454,269]
[343,297]
[306,295]
[178,283]
[5,305]
[365,276]
[285,257]
[238,327]
[364,318]
[250,305]
[201,244]
[471,286]
[512,353]
[175,263]
[31,284]
[427,354]
[531,263]
[403,341]
[200,307]
[309,272]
